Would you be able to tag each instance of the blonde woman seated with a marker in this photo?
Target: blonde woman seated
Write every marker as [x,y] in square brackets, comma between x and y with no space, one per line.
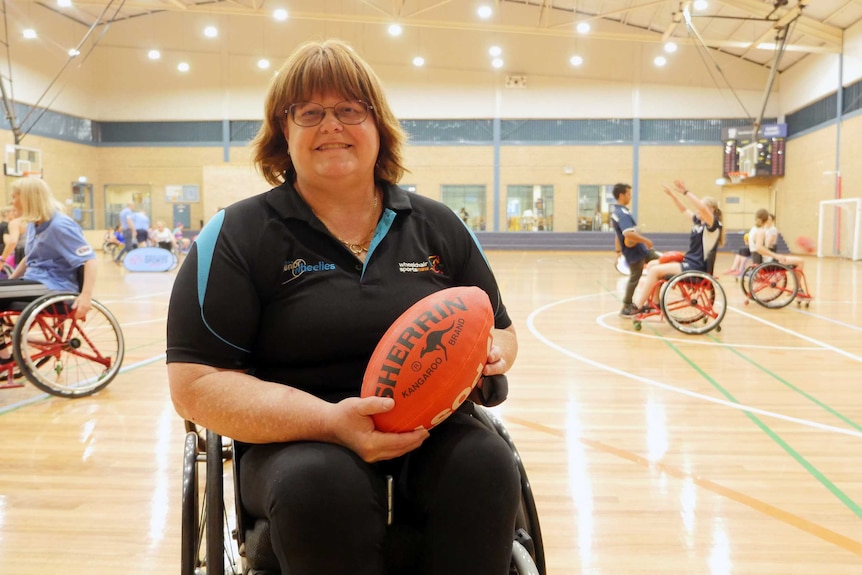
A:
[706,236]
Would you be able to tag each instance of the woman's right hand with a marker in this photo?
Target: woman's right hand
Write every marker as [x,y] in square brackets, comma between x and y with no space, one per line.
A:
[353,427]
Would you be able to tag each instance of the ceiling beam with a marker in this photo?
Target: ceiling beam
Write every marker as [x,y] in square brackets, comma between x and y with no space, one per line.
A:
[805,25]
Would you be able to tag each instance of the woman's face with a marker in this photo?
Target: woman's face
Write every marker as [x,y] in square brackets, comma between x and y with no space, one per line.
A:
[332,149]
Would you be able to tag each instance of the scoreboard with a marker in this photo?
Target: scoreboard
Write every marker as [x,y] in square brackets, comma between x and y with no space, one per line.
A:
[760,154]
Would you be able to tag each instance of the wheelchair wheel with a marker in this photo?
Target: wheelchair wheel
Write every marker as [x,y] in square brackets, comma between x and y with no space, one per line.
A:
[64,356]
[190,547]
[694,303]
[773,285]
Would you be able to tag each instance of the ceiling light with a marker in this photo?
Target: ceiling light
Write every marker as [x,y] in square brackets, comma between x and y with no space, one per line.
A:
[29,33]
[210,31]
[73,52]
[183,66]
[154,54]
[280,14]
[576,60]
[670,47]
[484,11]
[495,51]
[263,64]
[418,61]
[701,4]
[583,27]
[64,3]
[660,61]
[395,29]
[497,62]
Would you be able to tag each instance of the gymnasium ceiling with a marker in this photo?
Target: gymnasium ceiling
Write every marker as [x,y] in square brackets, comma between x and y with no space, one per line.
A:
[746,29]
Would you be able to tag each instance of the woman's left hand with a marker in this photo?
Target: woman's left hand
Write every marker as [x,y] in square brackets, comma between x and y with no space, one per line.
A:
[496,363]
[82,306]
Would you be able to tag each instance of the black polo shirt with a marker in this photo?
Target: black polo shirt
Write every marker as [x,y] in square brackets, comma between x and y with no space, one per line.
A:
[267,288]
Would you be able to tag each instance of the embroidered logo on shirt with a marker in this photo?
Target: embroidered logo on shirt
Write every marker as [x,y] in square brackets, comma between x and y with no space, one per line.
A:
[295,268]
[83,250]
[432,264]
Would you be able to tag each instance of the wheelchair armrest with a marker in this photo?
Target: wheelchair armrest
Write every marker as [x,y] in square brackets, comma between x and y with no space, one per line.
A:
[490,391]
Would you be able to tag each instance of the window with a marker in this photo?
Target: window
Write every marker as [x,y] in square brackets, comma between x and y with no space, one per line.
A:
[82,205]
[530,208]
[468,202]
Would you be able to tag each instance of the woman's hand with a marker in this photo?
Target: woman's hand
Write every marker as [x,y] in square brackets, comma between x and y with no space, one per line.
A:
[680,186]
[353,427]
[82,306]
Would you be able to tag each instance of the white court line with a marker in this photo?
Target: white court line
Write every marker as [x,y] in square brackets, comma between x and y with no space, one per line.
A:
[829,319]
[837,350]
[739,406]
[142,322]
[700,341]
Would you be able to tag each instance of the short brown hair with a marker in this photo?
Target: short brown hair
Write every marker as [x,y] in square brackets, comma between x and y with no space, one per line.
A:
[321,67]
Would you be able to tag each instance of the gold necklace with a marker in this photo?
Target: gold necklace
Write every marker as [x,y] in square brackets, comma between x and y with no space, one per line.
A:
[357,248]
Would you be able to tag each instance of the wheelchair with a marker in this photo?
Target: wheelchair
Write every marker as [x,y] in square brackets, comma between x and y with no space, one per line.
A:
[216,541]
[57,353]
[693,302]
[774,285]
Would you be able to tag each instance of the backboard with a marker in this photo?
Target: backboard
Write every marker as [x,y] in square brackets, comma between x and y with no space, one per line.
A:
[20,161]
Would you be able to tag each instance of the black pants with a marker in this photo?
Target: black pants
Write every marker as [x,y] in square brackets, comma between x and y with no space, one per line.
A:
[635,271]
[327,508]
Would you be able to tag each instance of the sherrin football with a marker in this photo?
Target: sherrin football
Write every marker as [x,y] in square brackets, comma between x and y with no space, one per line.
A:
[430,358]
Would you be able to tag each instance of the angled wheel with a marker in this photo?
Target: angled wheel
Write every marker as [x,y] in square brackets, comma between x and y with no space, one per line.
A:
[191,534]
[773,285]
[65,356]
[694,302]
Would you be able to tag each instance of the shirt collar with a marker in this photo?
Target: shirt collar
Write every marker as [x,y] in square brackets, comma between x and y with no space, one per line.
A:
[288,204]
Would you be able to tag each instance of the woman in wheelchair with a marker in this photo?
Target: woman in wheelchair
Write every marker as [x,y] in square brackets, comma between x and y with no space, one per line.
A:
[706,236]
[55,249]
[268,345]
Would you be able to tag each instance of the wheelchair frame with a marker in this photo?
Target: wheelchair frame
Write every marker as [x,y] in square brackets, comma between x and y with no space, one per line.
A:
[56,352]
[774,285]
[208,534]
[693,302]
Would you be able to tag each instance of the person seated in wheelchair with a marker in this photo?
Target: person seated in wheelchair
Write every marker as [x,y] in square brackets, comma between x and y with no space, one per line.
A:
[55,249]
[163,237]
[765,243]
[269,346]
[707,234]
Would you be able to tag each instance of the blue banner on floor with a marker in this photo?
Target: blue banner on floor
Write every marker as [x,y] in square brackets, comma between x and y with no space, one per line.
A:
[149,260]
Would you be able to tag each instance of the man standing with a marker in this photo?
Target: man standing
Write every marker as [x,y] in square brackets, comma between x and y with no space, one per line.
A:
[128,224]
[636,248]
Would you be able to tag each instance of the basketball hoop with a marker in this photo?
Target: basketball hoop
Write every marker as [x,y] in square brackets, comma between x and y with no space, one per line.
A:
[31,175]
[737,177]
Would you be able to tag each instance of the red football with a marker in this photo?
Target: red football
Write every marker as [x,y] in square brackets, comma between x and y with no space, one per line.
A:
[430,358]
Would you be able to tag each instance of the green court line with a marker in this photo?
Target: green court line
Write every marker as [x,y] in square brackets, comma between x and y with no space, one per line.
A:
[801,392]
[834,489]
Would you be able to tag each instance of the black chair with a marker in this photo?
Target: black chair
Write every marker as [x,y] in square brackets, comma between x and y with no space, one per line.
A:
[215,543]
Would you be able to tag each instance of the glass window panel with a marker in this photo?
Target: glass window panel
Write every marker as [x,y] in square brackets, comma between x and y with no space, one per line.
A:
[468,202]
[529,208]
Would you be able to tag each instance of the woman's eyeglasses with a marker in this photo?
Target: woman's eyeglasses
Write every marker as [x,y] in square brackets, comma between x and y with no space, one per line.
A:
[308,114]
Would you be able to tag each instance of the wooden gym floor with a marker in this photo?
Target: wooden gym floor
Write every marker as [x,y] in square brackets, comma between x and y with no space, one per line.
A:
[648,452]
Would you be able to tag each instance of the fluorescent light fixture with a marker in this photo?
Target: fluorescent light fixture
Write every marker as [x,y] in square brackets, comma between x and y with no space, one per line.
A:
[660,61]
[395,29]
[484,12]
[64,3]
[154,54]
[280,14]
[73,52]
[495,51]
[418,61]
[576,60]
[497,62]
[670,47]
[29,33]
[210,31]
[583,27]
[183,67]
[263,64]
[701,5]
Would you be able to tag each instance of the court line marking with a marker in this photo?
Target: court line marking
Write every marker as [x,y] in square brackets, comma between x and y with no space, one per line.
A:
[601,321]
[829,319]
[531,325]
[758,505]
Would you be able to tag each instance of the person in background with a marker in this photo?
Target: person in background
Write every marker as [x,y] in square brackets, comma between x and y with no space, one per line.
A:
[706,236]
[163,237]
[297,286]
[127,221]
[56,248]
[182,242]
[635,247]
[142,228]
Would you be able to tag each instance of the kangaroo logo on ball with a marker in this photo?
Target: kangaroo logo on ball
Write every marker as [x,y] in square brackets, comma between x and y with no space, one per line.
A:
[434,342]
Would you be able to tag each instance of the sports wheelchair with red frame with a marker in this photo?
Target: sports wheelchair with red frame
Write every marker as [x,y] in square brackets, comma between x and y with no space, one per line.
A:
[218,537]
[56,352]
[693,302]
[774,285]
